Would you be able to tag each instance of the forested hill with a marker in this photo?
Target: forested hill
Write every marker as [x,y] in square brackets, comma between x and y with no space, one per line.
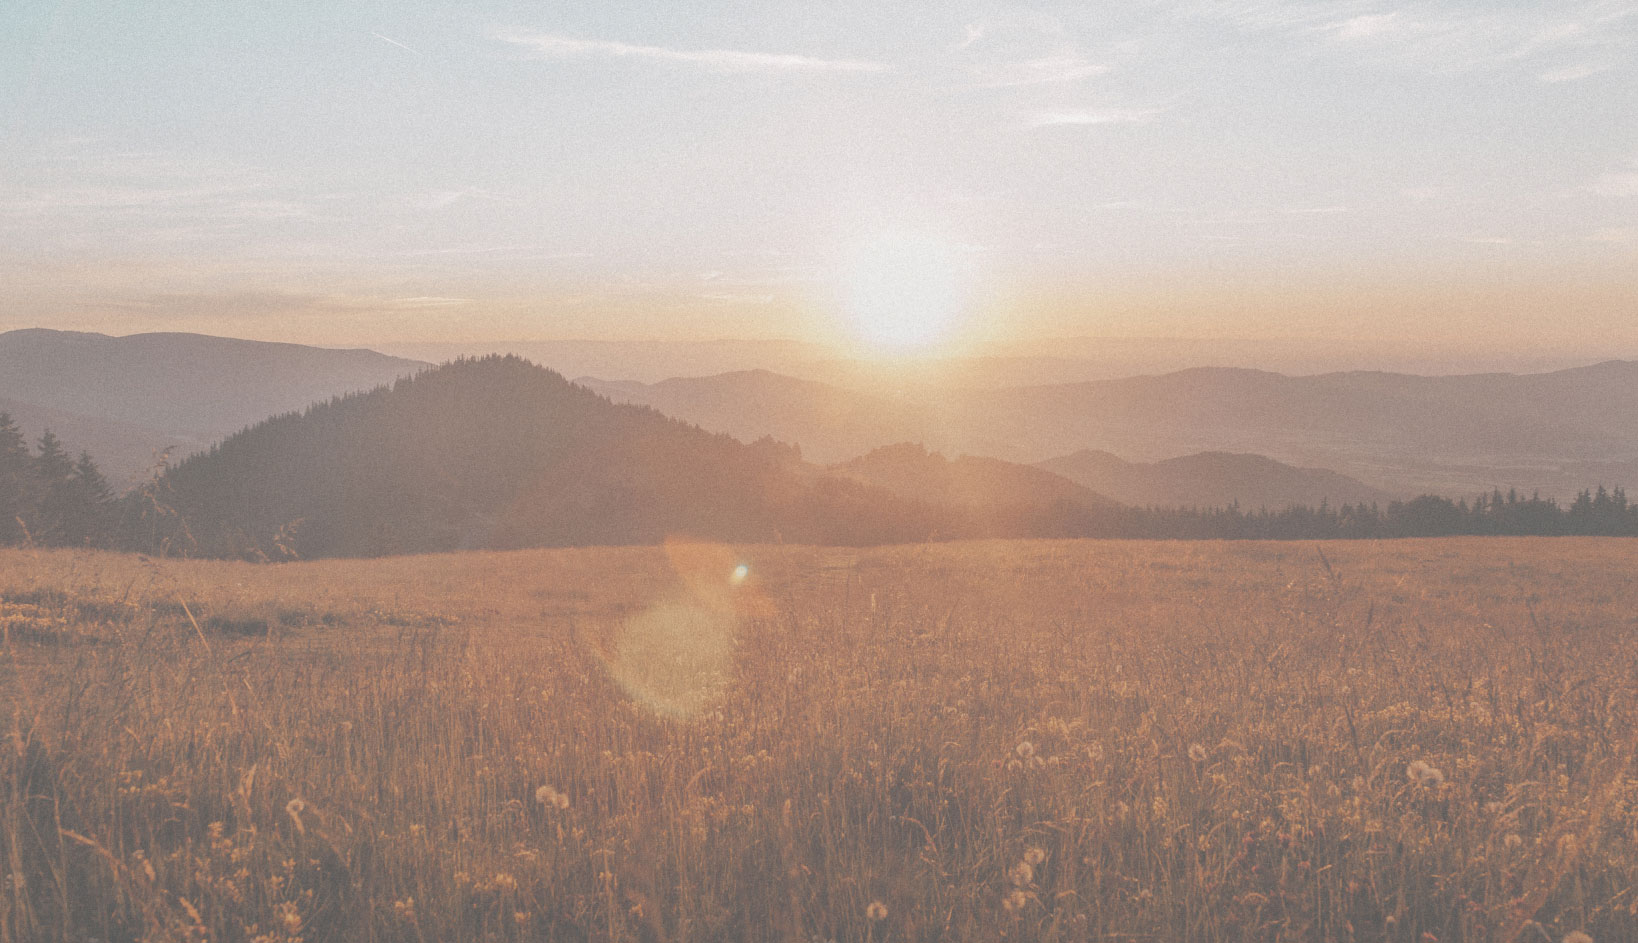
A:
[498,452]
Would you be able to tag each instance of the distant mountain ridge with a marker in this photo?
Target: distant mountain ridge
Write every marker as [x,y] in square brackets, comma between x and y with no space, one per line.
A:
[1396,432]
[125,452]
[498,453]
[176,390]
[1212,479]
[910,471]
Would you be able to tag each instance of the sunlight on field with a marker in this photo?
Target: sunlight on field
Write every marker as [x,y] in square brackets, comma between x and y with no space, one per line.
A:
[674,658]
[1032,740]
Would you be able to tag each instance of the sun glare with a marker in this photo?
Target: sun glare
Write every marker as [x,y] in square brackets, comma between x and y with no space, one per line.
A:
[903,292]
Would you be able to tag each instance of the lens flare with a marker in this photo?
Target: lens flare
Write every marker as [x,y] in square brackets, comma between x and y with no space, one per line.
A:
[676,656]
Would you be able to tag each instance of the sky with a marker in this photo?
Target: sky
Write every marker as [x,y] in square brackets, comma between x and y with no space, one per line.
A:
[355,173]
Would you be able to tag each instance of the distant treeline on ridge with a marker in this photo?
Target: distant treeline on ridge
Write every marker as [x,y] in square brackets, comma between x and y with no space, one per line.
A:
[496,452]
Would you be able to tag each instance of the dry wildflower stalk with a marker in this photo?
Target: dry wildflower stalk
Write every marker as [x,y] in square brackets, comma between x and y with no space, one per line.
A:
[1037,740]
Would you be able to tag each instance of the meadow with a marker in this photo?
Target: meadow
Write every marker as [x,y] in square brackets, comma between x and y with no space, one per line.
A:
[1416,740]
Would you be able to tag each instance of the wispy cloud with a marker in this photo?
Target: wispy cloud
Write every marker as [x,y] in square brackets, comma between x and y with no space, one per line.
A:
[1615,235]
[553,46]
[1046,70]
[442,199]
[973,33]
[1616,184]
[426,301]
[1562,41]
[1093,116]
[79,183]
[1574,73]
[389,39]
[1022,49]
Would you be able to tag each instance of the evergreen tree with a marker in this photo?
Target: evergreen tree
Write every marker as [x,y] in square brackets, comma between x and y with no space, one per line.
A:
[91,505]
[54,472]
[17,483]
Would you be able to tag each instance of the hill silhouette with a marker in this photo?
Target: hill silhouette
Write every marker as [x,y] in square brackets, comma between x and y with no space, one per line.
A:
[1211,479]
[498,453]
[911,471]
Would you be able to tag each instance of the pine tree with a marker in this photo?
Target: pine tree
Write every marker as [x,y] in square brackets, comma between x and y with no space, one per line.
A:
[54,472]
[90,509]
[17,483]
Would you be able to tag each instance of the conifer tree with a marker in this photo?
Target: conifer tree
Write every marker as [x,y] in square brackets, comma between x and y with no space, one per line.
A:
[91,504]
[17,482]
[54,473]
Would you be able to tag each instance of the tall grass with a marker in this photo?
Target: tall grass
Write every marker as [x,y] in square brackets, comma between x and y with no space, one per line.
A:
[1033,740]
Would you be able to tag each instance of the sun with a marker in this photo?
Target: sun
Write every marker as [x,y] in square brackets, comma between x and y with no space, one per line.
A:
[903,291]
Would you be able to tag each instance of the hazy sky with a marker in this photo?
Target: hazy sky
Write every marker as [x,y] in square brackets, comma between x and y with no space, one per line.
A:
[339,172]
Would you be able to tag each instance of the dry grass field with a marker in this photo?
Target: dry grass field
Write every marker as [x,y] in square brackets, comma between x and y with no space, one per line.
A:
[1408,741]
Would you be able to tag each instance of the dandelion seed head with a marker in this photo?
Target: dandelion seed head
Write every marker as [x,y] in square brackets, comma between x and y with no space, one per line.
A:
[876,912]
[1021,873]
[1424,773]
[1513,840]
[1024,749]
[1035,856]
[1577,936]
[1197,753]
[1014,901]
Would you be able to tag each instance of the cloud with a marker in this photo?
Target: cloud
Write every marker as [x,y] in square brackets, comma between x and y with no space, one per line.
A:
[551,46]
[1573,73]
[1559,39]
[1326,210]
[1617,184]
[1045,70]
[1090,116]
[1366,25]
[389,39]
[974,32]
[425,301]
[1615,235]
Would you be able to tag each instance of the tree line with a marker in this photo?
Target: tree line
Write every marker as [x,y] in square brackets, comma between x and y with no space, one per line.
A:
[48,498]
[1599,512]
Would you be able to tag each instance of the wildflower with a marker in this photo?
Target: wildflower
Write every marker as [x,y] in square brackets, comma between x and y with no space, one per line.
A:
[876,912]
[290,916]
[547,796]
[294,808]
[1025,749]
[1577,936]
[1034,856]
[1197,753]
[1424,774]
[1015,901]
[1021,873]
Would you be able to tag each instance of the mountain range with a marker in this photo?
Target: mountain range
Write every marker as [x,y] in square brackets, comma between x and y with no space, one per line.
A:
[125,398]
[499,453]
[1211,479]
[1203,436]
[1398,433]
